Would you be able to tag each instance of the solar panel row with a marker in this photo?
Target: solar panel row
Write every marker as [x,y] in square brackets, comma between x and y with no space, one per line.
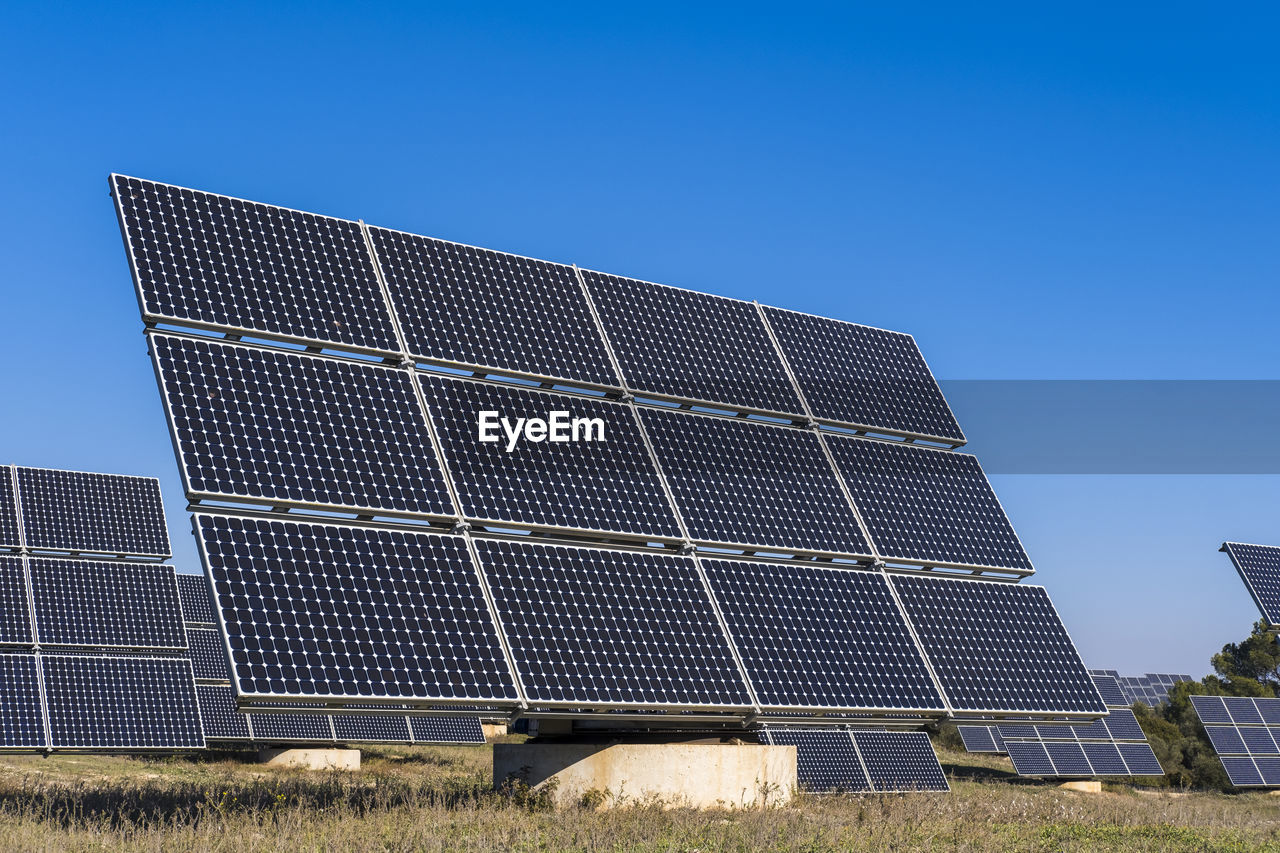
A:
[1237,710]
[1243,731]
[1086,758]
[210,262]
[861,761]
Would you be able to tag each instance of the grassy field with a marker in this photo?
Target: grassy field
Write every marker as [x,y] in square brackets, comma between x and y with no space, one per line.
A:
[425,798]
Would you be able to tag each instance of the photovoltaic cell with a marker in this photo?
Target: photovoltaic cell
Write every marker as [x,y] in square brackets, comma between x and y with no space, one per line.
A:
[105,603]
[218,713]
[193,593]
[1094,731]
[121,702]
[15,616]
[598,485]
[927,506]
[752,484]
[1269,710]
[900,761]
[370,728]
[1269,769]
[208,655]
[1257,740]
[979,739]
[1226,740]
[1068,759]
[814,637]
[488,309]
[9,537]
[1109,687]
[21,723]
[334,611]
[863,377]
[1259,568]
[463,730]
[1241,771]
[997,646]
[1123,725]
[283,427]
[211,261]
[593,626]
[692,346]
[1140,759]
[1242,710]
[1029,758]
[291,727]
[1210,709]
[92,513]
[1105,759]
[825,759]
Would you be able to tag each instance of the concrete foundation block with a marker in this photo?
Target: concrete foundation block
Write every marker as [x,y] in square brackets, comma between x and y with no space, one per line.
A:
[311,759]
[697,775]
[1084,786]
[493,731]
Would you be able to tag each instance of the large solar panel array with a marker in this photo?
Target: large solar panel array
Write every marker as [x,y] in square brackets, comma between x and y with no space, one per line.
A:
[1259,568]
[1112,746]
[376,608]
[93,645]
[861,761]
[1245,732]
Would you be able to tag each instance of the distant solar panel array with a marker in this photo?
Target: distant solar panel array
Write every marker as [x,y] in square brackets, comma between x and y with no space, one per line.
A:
[674,537]
[226,725]
[831,760]
[1112,746]
[1151,689]
[89,646]
[1245,732]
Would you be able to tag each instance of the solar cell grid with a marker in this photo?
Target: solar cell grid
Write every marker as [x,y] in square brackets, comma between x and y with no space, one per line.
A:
[210,261]
[1123,725]
[1094,731]
[9,534]
[826,759]
[15,613]
[1068,759]
[1226,740]
[1242,710]
[863,377]
[1259,568]
[900,761]
[1241,771]
[978,739]
[193,593]
[291,727]
[927,506]
[1268,769]
[597,485]
[277,427]
[821,638]
[997,646]
[1109,687]
[446,730]
[21,722]
[218,714]
[92,513]
[370,728]
[1029,758]
[106,603]
[1105,759]
[692,346]
[208,654]
[1257,740]
[328,610]
[492,310]
[1269,709]
[752,484]
[595,626]
[121,702]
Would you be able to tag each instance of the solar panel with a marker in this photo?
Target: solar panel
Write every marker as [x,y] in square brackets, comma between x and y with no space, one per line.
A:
[1106,760]
[1269,769]
[370,728]
[1123,725]
[1241,771]
[1109,687]
[491,310]
[287,428]
[1094,731]
[979,739]
[92,513]
[863,377]
[1022,732]
[814,637]
[1210,709]
[927,506]
[208,655]
[461,730]
[1257,740]
[691,346]
[209,261]
[595,626]
[1269,710]
[218,714]
[608,483]
[1068,759]
[1029,757]
[1259,568]
[1242,710]
[753,485]
[997,646]
[9,533]
[15,614]
[900,761]
[826,759]
[106,604]
[281,728]
[21,720]
[121,702]
[193,593]
[349,612]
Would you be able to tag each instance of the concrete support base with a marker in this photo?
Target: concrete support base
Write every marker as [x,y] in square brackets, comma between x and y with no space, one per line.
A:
[493,731]
[699,775]
[311,759]
[1088,786]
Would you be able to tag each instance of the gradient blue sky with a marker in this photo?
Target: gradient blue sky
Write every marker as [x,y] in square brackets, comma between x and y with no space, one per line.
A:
[1074,192]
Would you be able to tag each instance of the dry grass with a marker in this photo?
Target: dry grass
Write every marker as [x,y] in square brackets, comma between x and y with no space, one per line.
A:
[439,799]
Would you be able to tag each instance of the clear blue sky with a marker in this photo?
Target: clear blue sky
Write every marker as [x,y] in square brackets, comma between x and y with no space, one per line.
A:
[1080,192]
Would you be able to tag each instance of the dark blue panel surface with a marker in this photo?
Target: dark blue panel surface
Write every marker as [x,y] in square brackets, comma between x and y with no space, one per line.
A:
[92,513]
[825,759]
[9,535]
[336,611]
[1210,709]
[491,310]
[1269,710]
[208,654]
[464,730]
[284,427]
[1242,710]
[819,637]
[1123,725]
[104,603]
[209,260]
[1226,740]
[900,761]
[282,728]
[370,728]
[1242,772]
[218,713]
[1068,759]
[193,593]
[1269,768]
[1105,759]
[1259,568]
[1109,687]
[1257,740]
[21,722]
[15,612]
[119,703]
[978,738]
[1029,758]
[600,626]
